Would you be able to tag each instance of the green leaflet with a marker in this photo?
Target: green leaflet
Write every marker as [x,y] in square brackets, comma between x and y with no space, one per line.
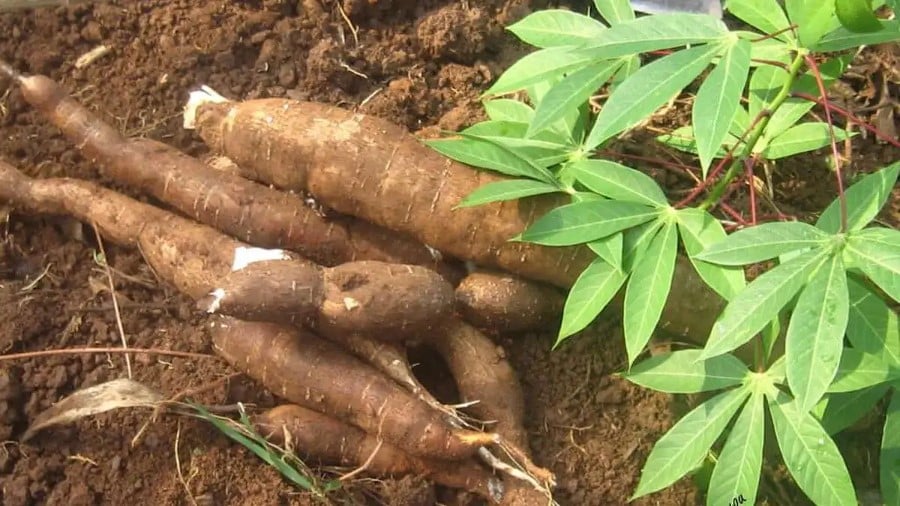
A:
[802,138]
[766,16]
[583,222]
[815,334]
[814,18]
[864,200]
[651,33]
[737,472]
[873,327]
[507,190]
[488,155]
[592,291]
[571,92]
[763,242]
[699,230]
[718,100]
[556,27]
[876,252]
[615,11]
[647,290]
[857,16]
[890,452]
[680,372]
[538,67]
[859,370]
[505,109]
[757,305]
[810,454]
[841,410]
[618,182]
[609,248]
[688,441]
[842,39]
[648,89]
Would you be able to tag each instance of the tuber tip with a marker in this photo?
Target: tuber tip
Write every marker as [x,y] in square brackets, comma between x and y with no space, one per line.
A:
[204,95]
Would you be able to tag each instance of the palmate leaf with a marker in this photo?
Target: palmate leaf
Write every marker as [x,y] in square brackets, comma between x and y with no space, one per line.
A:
[615,11]
[864,200]
[813,18]
[583,222]
[876,252]
[764,242]
[499,191]
[635,242]
[758,304]
[802,138]
[873,327]
[699,230]
[505,109]
[841,410]
[766,16]
[590,293]
[548,148]
[570,92]
[556,27]
[648,89]
[810,454]
[737,471]
[688,441]
[815,333]
[680,372]
[618,182]
[718,100]
[859,370]
[889,460]
[647,290]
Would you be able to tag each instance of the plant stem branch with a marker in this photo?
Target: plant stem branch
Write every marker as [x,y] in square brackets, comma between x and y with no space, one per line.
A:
[766,114]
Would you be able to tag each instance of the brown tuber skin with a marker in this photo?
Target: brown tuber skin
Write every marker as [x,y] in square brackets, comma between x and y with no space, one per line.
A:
[197,260]
[241,208]
[303,369]
[332,442]
[503,303]
[372,169]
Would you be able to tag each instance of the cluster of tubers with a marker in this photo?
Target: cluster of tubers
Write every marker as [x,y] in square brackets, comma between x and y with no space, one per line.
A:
[319,308]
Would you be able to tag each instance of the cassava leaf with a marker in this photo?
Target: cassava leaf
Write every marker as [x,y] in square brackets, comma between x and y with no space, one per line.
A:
[615,11]
[651,33]
[873,327]
[699,230]
[876,251]
[859,370]
[682,139]
[648,89]
[737,471]
[810,454]
[764,242]
[505,109]
[544,150]
[680,372]
[802,138]
[590,293]
[609,248]
[538,67]
[618,182]
[813,18]
[570,92]
[864,200]
[766,16]
[499,191]
[787,115]
[889,459]
[841,38]
[556,27]
[647,290]
[718,99]
[842,410]
[815,334]
[688,441]
[758,304]
[488,155]
[765,82]
[635,242]
[857,16]
[583,222]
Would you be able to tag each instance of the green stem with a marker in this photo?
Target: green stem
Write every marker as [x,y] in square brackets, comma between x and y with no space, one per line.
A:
[716,193]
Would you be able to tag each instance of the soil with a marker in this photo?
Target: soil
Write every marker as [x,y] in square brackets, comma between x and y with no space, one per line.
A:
[421,64]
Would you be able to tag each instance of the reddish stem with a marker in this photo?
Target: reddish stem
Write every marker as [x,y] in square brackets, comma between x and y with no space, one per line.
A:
[850,117]
[751,181]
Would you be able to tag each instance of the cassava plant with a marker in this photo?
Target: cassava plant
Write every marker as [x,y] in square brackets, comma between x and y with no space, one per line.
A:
[826,289]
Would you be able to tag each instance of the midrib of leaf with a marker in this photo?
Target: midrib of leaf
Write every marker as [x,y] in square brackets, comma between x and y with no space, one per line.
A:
[725,483]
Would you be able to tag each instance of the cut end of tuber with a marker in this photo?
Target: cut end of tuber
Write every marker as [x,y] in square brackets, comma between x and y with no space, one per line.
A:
[244,256]
[212,302]
[204,95]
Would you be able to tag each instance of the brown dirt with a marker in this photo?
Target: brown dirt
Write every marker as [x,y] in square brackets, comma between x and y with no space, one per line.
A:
[421,64]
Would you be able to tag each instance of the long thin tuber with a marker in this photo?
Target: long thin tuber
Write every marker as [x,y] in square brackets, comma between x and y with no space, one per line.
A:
[239,207]
[303,369]
[501,302]
[331,442]
[199,261]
